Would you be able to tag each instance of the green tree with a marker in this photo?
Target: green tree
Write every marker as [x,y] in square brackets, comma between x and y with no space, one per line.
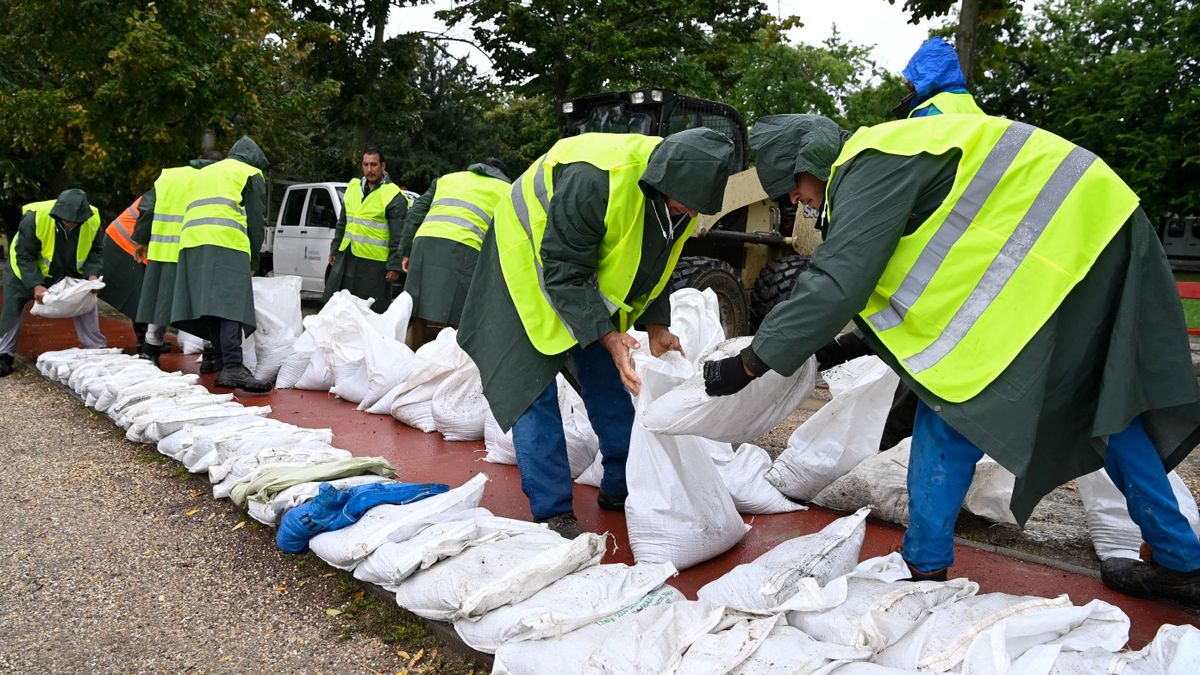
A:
[971,15]
[563,48]
[1121,79]
[103,95]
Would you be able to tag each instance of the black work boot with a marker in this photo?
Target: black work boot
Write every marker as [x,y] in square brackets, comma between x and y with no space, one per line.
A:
[564,524]
[149,352]
[610,502]
[240,377]
[916,574]
[6,365]
[210,360]
[1143,579]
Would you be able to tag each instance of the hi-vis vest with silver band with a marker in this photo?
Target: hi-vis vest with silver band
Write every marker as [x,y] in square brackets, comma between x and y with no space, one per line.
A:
[171,191]
[120,230]
[462,207]
[219,217]
[521,223]
[367,234]
[951,104]
[1026,218]
[44,227]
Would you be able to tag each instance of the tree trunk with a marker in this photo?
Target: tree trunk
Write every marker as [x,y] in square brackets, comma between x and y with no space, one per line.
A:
[964,44]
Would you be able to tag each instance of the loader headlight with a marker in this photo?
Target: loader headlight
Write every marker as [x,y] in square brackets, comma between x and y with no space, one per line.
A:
[637,97]
[656,95]
[568,107]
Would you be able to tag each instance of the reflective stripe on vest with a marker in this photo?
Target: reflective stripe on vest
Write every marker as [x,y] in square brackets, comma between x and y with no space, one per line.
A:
[120,230]
[170,203]
[463,207]
[1026,218]
[215,215]
[367,233]
[44,230]
[950,103]
[520,223]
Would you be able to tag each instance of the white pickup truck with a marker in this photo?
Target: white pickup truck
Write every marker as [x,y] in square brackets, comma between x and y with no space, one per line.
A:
[305,222]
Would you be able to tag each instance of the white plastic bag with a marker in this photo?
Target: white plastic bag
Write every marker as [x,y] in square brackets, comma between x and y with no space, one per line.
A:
[435,361]
[696,321]
[278,322]
[583,445]
[459,409]
[68,298]
[841,434]
[1113,532]
[745,477]
[1028,643]
[812,559]
[388,363]
[744,416]
[789,650]
[393,323]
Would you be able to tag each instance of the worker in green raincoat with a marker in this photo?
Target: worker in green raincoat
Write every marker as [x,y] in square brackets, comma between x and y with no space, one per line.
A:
[219,242]
[579,253]
[54,240]
[156,245]
[443,233]
[1013,282]
[367,232]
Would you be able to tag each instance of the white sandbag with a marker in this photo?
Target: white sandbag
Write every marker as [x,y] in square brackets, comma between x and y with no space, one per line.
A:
[1028,643]
[188,343]
[317,375]
[393,323]
[172,387]
[812,559]
[172,422]
[458,407]
[201,455]
[941,640]
[347,547]
[732,641]
[383,406]
[143,412]
[650,640]
[881,605]
[1175,650]
[245,442]
[498,443]
[394,562]
[105,388]
[788,650]
[278,322]
[491,575]
[844,432]
[434,362]
[246,468]
[182,441]
[269,513]
[1113,532]
[296,362]
[744,416]
[48,363]
[592,475]
[696,321]
[746,478]
[583,445]
[388,364]
[249,353]
[68,298]
[115,391]
[990,492]
[572,602]
[350,380]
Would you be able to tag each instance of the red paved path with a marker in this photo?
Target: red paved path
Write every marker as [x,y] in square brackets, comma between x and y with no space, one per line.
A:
[427,457]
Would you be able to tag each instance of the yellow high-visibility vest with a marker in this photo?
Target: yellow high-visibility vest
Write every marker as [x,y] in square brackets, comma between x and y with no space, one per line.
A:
[367,234]
[171,191]
[215,215]
[1027,216]
[463,207]
[521,223]
[950,103]
[44,229]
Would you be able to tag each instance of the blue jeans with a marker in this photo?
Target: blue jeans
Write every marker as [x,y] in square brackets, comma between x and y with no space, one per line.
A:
[541,442]
[942,465]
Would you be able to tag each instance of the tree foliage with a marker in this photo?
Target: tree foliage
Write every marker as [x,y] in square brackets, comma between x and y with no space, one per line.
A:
[1121,79]
[102,95]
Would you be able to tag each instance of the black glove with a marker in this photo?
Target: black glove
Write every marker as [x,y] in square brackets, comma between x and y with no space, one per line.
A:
[841,349]
[725,377]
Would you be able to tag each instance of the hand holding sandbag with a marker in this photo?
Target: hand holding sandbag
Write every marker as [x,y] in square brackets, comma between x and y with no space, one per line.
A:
[726,377]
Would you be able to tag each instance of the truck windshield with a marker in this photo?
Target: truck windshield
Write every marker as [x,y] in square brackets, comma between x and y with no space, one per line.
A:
[614,118]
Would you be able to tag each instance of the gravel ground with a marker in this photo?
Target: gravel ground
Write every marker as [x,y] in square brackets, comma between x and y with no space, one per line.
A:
[115,559]
[1056,530]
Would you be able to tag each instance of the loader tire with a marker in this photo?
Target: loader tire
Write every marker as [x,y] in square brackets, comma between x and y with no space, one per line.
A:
[774,284]
[700,273]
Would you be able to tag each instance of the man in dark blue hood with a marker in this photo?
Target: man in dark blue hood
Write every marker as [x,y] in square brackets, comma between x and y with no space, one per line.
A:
[936,80]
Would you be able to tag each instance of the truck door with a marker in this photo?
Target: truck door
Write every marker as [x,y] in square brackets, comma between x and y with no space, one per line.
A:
[320,222]
[289,246]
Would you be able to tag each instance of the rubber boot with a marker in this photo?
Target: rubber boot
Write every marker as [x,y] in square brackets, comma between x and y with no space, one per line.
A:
[210,360]
[240,377]
[150,353]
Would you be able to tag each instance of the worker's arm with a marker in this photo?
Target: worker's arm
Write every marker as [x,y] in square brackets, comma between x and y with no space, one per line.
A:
[254,198]
[29,251]
[144,223]
[570,250]
[871,206]
[412,222]
[396,212]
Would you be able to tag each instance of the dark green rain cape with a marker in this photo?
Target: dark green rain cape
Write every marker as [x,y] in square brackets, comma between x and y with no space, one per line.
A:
[1116,347]
[691,166]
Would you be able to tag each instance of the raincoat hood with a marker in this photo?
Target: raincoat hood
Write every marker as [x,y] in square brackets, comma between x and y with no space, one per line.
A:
[692,167]
[788,145]
[246,150]
[934,69]
[72,206]
[488,170]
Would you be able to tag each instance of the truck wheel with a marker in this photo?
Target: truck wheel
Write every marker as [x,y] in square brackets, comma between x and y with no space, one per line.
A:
[774,284]
[700,273]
